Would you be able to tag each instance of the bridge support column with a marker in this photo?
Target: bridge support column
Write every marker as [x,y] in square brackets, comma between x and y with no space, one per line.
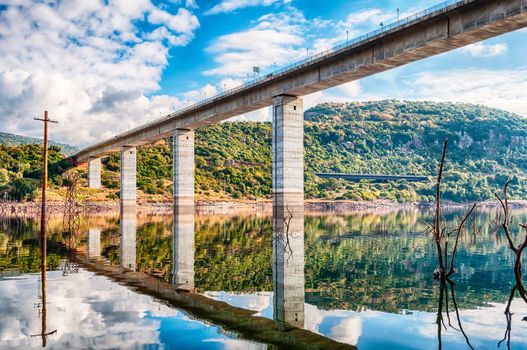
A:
[288,151]
[288,212]
[128,177]
[94,172]
[184,170]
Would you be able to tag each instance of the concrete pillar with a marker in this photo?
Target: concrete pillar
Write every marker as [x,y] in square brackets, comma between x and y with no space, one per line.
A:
[288,267]
[128,177]
[128,222]
[128,226]
[184,168]
[288,150]
[94,243]
[288,212]
[183,253]
[94,172]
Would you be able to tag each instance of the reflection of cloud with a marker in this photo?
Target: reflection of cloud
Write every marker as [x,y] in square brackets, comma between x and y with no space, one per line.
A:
[340,325]
[92,302]
[482,323]
[347,331]
[233,344]
[90,311]
[484,326]
[255,302]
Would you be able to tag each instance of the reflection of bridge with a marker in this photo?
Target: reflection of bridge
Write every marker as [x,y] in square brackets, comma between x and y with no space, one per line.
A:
[288,281]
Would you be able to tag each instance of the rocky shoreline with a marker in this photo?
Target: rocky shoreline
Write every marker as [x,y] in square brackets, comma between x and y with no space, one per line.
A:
[225,207]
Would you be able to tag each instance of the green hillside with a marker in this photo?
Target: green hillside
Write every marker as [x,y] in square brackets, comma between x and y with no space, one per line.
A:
[233,159]
[15,140]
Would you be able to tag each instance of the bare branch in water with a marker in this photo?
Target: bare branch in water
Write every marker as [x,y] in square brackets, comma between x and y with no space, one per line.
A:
[517,250]
[459,229]
[438,232]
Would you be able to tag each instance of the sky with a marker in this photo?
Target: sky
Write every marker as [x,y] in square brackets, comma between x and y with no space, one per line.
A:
[103,67]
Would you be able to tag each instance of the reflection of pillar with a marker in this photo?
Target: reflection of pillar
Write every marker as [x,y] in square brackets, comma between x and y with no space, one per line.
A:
[128,231]
[94,172]
[94,243]
[183,230]
[183,254]
[288,212]
[288,266]
[128,176]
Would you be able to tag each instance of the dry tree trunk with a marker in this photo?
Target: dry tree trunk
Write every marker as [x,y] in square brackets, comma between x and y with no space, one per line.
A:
[438,232]
[439,229]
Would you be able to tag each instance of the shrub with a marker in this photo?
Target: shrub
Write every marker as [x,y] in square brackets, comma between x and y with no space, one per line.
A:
[22,190]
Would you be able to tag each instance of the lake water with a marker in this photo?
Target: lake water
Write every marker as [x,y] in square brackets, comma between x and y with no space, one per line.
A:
[359,280]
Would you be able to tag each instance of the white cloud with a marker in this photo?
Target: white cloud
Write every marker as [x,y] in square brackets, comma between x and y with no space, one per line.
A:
[274,41]
[503,89]
[485,50]
[343,93]
[182,22]
[88,63]
[232,5]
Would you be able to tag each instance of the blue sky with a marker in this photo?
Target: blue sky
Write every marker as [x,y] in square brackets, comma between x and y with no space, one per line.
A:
[103,67]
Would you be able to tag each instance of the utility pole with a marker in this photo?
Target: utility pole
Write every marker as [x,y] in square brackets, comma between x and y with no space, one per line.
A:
[43,221]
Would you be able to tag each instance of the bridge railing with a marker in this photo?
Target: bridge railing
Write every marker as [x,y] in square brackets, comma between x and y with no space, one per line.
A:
[307,61]
[329,52]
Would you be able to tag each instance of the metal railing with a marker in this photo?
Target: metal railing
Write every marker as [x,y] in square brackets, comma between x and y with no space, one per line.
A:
[419,16]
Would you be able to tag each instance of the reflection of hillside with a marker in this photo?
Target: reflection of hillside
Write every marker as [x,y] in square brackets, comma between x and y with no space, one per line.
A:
[380,260]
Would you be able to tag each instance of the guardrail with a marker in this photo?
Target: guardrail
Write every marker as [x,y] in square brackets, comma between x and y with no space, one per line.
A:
[303,63]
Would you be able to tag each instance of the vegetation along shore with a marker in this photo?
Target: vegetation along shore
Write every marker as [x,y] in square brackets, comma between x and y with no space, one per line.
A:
[233,159]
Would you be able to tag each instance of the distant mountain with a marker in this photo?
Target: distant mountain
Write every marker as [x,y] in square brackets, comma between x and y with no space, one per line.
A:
[14,140]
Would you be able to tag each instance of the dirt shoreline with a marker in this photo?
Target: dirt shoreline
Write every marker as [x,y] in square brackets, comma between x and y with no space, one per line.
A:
[207,206]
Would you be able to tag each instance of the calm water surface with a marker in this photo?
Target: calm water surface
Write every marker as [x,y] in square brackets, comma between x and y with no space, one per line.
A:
[363,279]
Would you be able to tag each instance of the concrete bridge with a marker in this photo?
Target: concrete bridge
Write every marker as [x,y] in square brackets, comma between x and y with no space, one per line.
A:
[439,29]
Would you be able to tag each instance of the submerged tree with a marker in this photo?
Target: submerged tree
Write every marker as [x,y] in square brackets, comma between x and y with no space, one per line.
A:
[441,233]
[446,263]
